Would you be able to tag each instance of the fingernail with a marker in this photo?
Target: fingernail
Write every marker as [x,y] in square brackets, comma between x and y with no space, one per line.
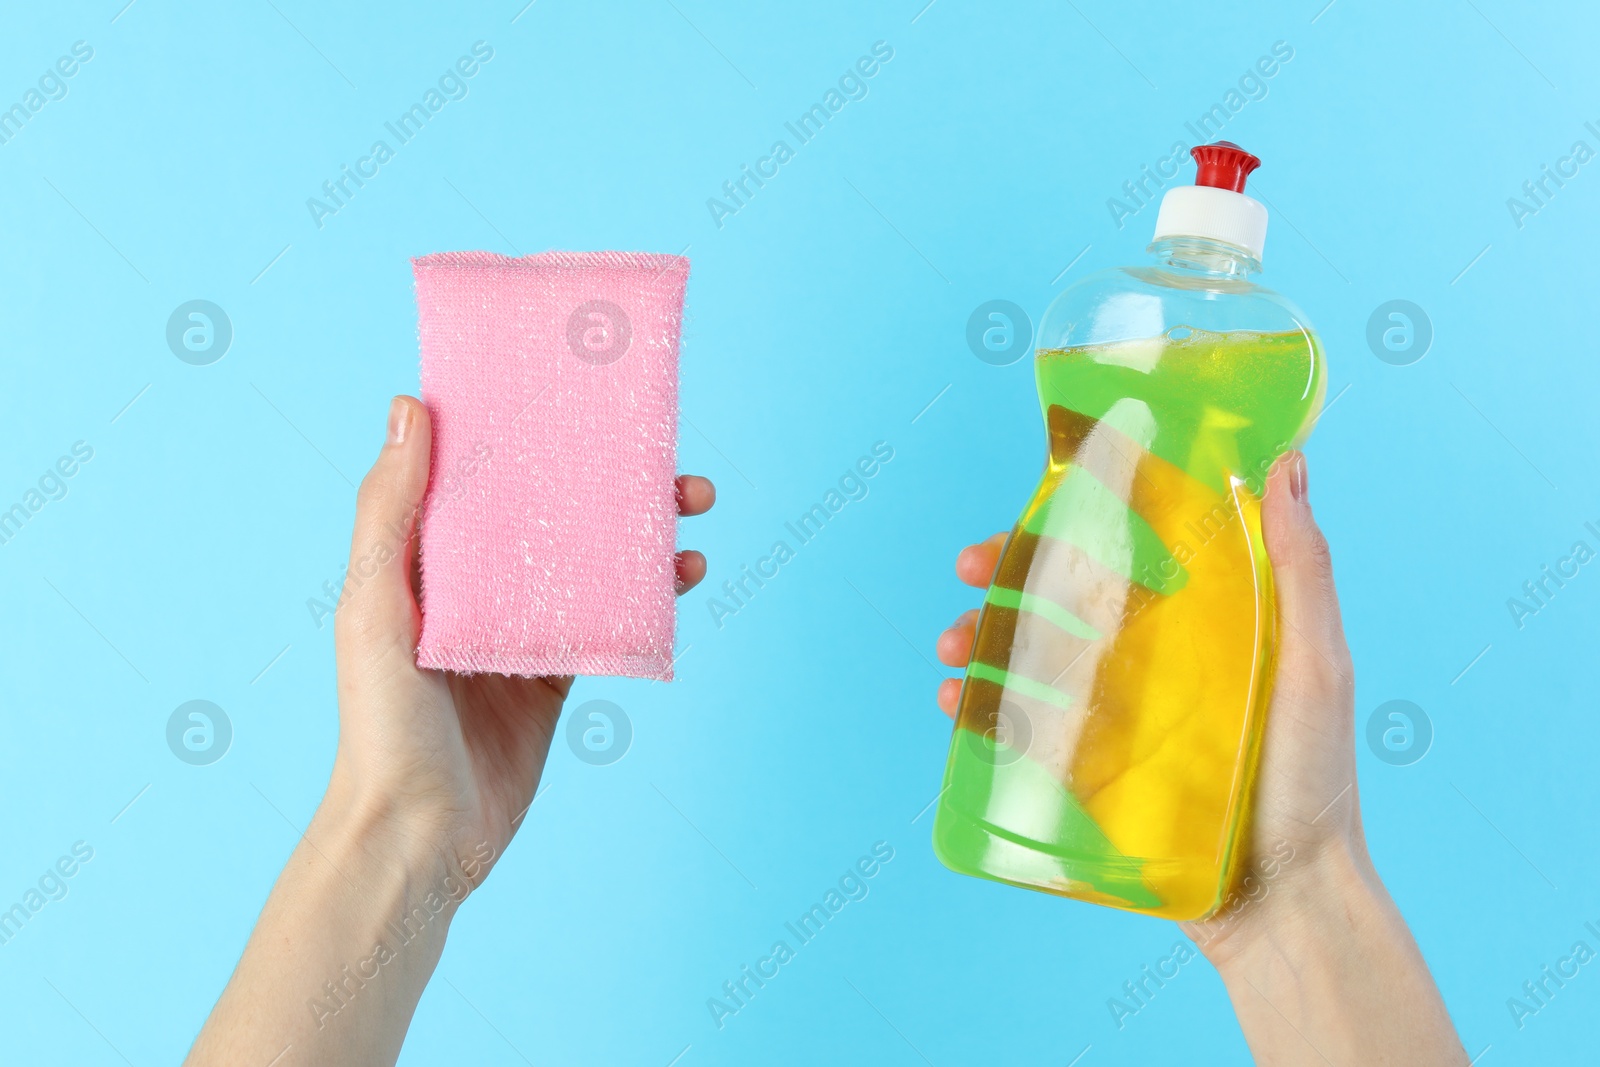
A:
[399,420]
[1298,477]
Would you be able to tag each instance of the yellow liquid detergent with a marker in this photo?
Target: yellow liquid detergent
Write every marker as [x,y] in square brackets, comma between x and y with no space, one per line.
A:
[1110,721]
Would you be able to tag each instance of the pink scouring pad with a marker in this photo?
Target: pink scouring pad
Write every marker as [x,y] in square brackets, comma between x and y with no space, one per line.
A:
[549,529]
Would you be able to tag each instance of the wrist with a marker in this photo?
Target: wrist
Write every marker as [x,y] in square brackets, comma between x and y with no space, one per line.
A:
[429,831]
[345,944]
[1306,909]
[389,854]
[1323,963]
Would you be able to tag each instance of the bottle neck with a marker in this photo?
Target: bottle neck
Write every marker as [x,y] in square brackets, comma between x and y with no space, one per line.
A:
[1202,256]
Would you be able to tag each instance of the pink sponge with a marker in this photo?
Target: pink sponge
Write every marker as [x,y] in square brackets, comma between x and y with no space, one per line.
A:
[549,529]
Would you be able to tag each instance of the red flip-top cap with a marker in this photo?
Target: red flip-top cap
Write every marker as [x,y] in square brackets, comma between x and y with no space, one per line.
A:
[1223,165]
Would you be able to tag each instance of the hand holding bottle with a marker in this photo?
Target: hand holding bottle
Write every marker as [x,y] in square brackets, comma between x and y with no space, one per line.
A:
[1110,722]
[1318,962]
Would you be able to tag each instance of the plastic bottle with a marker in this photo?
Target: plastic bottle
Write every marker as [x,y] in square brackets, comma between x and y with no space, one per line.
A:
[1106,743]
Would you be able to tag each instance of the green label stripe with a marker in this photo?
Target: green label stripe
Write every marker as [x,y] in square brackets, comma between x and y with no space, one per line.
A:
[1048,610]
[1084,513]
[1025,686]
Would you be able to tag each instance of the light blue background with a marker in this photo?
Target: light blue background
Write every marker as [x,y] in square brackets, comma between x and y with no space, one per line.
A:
[823,317]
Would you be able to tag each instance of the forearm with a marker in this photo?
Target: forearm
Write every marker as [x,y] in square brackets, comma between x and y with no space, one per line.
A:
[1334,976]
[344,946]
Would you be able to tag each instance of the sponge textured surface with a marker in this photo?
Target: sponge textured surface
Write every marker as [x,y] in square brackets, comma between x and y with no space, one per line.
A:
[549,528]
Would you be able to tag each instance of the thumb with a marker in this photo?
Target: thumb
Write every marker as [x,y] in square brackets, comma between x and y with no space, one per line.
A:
[1313,658]
[377,608]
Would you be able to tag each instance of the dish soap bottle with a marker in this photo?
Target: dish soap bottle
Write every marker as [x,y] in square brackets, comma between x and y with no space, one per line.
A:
[1106,742]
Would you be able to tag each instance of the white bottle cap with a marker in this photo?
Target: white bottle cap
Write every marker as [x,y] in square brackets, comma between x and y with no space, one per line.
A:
[1215,207]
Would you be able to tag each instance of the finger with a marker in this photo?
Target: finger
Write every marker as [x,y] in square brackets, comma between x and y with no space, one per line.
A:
[691,570]
[1313,657]
[377,604]
[954,646]
[695,494]
[977,563]
[949,694]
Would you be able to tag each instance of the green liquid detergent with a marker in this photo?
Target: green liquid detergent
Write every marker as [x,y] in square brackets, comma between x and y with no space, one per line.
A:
[1108,730]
